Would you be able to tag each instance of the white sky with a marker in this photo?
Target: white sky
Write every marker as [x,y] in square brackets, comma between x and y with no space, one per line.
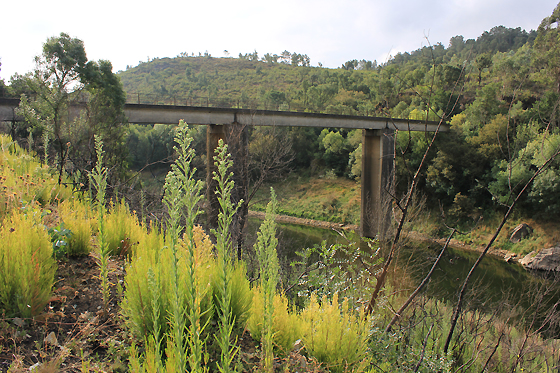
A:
[329,31]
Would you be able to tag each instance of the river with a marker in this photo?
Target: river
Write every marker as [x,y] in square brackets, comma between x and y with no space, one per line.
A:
[494,281]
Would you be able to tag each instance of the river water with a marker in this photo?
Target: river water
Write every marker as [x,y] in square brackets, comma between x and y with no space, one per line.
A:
[494,281]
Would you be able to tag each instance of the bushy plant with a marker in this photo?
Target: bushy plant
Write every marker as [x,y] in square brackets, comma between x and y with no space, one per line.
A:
[335,335]
[286,323]
[24,180]
[122,229]
[27,266]
[81,221]
[240,295]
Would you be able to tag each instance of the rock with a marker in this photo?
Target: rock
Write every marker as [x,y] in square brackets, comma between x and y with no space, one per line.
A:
[51,339]
[18,322]
[545,260]
[510,257]
[520,232]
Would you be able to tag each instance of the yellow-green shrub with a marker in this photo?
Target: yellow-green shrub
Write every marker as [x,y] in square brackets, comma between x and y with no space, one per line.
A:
[122,229]
[24,179]
[286,322]
[79,218]
[148,281]
[335,335]
[241,295]
[27,266]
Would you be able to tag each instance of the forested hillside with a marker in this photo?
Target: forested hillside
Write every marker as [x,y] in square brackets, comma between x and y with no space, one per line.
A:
[498,92]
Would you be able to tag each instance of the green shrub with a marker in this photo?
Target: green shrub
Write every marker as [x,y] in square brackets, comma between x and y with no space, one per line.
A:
[122,229]
[148,284]
[239,288]
[335,335]
[286,323]
[27,266]
[24,180]
[78,217]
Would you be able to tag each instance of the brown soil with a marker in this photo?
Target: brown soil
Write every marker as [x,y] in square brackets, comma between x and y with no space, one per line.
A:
[73,330]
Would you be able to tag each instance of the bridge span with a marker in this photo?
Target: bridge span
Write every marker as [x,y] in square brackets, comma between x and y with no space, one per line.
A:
[378,145]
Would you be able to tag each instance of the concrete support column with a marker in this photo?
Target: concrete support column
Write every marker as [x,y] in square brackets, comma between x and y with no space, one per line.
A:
[214,132]
[378,157]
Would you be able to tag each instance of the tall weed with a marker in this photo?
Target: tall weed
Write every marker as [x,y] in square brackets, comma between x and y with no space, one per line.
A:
[265,248]
[27,266]
[223,287]
[98,178]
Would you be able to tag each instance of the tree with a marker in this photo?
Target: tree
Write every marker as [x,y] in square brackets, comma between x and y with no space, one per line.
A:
[265,156]
[63,74]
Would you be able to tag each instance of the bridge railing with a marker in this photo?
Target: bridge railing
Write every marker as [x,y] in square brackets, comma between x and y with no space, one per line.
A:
[201,101]
[227,102]
[222,102]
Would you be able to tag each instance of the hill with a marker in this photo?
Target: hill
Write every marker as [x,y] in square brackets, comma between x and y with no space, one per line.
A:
[499,92]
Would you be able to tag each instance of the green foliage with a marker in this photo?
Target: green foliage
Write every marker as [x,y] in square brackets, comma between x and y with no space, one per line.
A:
[24,180]
[122,229]
[26,264]
[511,177]
[63,73]
[77,216]
[60,236]
[265,248]
[98,178]
[335,335]
[338,268]
[223,286]
[285,324]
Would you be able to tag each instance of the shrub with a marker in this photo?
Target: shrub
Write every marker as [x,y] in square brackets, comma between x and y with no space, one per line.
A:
[78,218]
[148,284]
[122,229]
[24,180]
[240,294]
[286,324]
[334,335]
[27,266]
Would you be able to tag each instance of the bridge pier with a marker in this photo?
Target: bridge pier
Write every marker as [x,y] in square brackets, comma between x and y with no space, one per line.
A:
[378,158]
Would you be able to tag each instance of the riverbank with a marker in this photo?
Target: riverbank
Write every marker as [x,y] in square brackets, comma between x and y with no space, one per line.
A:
[415,236]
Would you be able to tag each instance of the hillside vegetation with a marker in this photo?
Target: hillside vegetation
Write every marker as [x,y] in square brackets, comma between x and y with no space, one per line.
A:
[499,93]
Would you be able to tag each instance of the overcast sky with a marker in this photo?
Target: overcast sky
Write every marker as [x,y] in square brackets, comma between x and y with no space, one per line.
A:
[330,32]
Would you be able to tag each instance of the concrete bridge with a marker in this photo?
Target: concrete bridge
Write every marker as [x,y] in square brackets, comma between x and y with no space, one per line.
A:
[378,146]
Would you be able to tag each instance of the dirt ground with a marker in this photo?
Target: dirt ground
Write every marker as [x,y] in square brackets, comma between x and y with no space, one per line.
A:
[74,331]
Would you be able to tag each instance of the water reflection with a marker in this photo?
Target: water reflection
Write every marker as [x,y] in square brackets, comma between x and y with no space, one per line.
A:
[494,282]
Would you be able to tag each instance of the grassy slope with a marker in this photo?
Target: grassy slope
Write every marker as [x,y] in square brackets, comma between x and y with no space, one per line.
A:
[329,199]
[337,200]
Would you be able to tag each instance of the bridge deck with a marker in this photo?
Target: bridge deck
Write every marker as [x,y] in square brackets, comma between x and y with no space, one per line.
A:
[172,114]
